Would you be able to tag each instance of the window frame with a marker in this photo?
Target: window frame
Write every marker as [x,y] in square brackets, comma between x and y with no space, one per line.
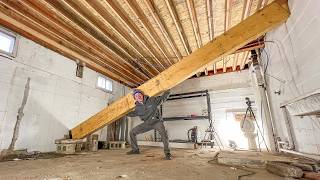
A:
[106,79]
[15,46]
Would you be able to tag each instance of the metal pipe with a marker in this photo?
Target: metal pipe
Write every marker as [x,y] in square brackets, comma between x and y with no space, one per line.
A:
[312,156]
[264,99]
[288,124]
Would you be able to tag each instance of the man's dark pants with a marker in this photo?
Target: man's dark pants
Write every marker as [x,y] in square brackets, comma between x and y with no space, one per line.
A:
[145,127]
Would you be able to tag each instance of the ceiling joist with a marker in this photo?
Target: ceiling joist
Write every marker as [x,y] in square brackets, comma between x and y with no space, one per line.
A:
[134,40]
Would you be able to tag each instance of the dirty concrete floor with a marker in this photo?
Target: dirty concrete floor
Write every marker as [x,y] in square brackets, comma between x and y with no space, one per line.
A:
[109,164]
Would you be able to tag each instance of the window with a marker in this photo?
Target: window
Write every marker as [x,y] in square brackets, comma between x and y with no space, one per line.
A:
[8,43]
[104,83]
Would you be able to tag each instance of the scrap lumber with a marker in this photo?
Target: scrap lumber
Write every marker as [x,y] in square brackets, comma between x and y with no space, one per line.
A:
[236,37]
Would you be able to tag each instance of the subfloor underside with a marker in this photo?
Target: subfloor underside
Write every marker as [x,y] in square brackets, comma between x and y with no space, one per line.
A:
[115,164]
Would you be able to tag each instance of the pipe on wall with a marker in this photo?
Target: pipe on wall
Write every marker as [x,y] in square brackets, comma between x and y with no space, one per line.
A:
[312,156]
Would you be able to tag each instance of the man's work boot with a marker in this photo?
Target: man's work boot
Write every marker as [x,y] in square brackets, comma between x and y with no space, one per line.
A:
[133,152]
[168,156]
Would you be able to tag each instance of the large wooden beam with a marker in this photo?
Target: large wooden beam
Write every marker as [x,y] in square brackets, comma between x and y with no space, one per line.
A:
[251,28]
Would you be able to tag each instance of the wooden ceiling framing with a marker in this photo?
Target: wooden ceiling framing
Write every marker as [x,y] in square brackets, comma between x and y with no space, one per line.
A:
[130,41]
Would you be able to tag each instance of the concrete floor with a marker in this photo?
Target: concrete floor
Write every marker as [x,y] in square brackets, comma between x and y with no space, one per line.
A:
[110,164]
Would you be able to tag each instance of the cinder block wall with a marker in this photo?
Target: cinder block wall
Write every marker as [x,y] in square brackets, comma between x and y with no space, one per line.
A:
[294,63]
[58,100]
[227,93]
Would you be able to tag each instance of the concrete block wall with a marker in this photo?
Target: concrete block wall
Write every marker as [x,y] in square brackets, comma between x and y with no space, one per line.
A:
[58,100]
[227,93]
[294,69]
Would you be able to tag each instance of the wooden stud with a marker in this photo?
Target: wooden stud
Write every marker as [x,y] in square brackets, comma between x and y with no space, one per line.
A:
[244,60]
[261,22]
[235,61]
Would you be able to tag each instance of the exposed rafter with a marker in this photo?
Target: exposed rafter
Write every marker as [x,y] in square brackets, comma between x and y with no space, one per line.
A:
[38,22]
[125,19]
[227,15]
[210,19]
[176,20]
[194,21]
[155,14]
[91,15]
[259,5]
[98,30]
[134,40]
[122,32]
[150,30]
[246,9]
[9,20]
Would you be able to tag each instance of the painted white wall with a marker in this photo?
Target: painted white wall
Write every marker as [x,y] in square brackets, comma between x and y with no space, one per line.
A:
[227,92]
[58,100]
[295,61]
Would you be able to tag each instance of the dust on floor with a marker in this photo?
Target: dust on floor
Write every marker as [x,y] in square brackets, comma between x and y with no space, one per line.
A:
[115,164]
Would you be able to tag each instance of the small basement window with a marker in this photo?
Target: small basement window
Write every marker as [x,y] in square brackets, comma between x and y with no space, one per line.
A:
[8,43]
[104,83]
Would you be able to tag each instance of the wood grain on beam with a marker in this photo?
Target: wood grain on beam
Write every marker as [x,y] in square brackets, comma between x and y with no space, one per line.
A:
[150,30]
[155,14]
[13,24]
[178,25]
[236,37]
[101,8]
[125,19]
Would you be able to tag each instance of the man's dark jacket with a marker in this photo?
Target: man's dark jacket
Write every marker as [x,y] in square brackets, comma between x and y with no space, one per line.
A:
[149,111]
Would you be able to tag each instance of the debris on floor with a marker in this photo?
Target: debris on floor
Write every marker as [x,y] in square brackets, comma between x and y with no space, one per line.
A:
[311,175]
[106,164]
[284,170]
[30,156]
[122,176]
[280,164]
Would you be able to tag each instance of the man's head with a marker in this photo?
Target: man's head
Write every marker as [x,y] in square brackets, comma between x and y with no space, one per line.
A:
[138,96]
